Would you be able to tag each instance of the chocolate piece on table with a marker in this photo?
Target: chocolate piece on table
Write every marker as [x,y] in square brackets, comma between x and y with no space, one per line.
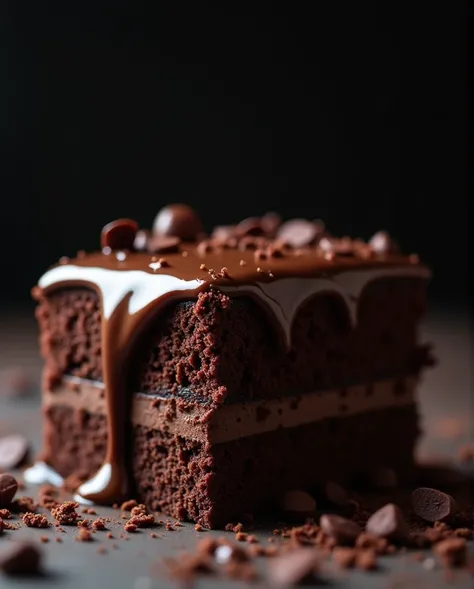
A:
[20,558]
[388,522]
[8,488]
[234,365]
[294,568]
[13,451]
[297,504]
[342,530]
[433,505]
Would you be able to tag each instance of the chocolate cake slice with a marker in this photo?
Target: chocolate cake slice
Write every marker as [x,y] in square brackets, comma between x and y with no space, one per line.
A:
[207,375]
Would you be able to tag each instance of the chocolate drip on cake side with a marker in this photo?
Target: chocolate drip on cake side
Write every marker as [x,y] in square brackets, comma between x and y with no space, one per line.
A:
[135,285]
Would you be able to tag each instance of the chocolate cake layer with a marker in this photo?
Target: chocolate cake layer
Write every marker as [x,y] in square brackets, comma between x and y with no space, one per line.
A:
[218,347]
[217,483]
[237,420]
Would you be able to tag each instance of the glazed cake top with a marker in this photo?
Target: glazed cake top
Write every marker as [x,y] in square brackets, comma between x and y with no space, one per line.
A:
[258,249]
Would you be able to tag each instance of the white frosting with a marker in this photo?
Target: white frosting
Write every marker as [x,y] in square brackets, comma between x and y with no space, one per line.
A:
[115,285]
[41,473]
[282,297]
[94,485]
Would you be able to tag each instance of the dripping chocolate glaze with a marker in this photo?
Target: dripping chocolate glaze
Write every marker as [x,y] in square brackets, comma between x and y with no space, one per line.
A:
[135,285]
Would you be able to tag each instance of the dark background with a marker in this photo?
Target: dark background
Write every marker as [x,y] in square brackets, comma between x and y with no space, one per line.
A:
[357,115]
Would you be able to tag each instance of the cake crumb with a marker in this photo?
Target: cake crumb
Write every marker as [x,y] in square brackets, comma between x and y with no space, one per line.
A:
[24,504]
[344,557]
[5,514]
[366,559]
[154,535]
[59,540]
[129,527]
[109,535]
[83,523]
[99,524]
[198,528]
[84,535]
[102,550]
[128,505]
[66,513]
[141,521]
[35,520]
[139,509]
[44,539]
[241,536]
[91,511]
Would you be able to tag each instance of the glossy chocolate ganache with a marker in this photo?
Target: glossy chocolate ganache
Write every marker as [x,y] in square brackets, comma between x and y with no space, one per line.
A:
[138,272]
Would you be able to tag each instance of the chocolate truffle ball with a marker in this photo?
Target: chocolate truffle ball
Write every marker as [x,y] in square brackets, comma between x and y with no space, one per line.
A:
[178,220]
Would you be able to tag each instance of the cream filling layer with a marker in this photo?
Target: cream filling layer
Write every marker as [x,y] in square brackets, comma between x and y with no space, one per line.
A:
[239,420]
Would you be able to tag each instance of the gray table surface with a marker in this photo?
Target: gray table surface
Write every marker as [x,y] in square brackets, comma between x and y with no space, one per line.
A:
[447,407]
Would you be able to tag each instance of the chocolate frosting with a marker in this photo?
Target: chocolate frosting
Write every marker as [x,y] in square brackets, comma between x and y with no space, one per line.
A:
[280,266]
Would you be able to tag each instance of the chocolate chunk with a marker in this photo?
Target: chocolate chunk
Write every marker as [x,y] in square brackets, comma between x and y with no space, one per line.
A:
[223,233]
[298,504]
[340,247]
[342,530]
[178,220]
[13,451]
[300,232]
[452,552]
[141,240]
[163,243]
[20,558]
[293,568]
[388,522]
[335,494]
[250,226]
[8,488]
[270,223]
[433,505]
[119,234]
[382,243]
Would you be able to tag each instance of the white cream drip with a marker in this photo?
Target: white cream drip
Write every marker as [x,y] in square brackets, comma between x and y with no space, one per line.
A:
[283,297]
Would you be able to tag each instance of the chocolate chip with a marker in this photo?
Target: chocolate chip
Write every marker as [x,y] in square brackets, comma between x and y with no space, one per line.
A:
[293,568]
[335,494]
[270,223]
[163,243]
[13,451]
[178,220]
[388,522]
[250,226]
[20,558]
[382,243]
[141,240]
[119,234]
[298,504]
[223,232]
[300,232]
[433,505]
[340,247]
[452,552]
[8,488]
[342,530]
